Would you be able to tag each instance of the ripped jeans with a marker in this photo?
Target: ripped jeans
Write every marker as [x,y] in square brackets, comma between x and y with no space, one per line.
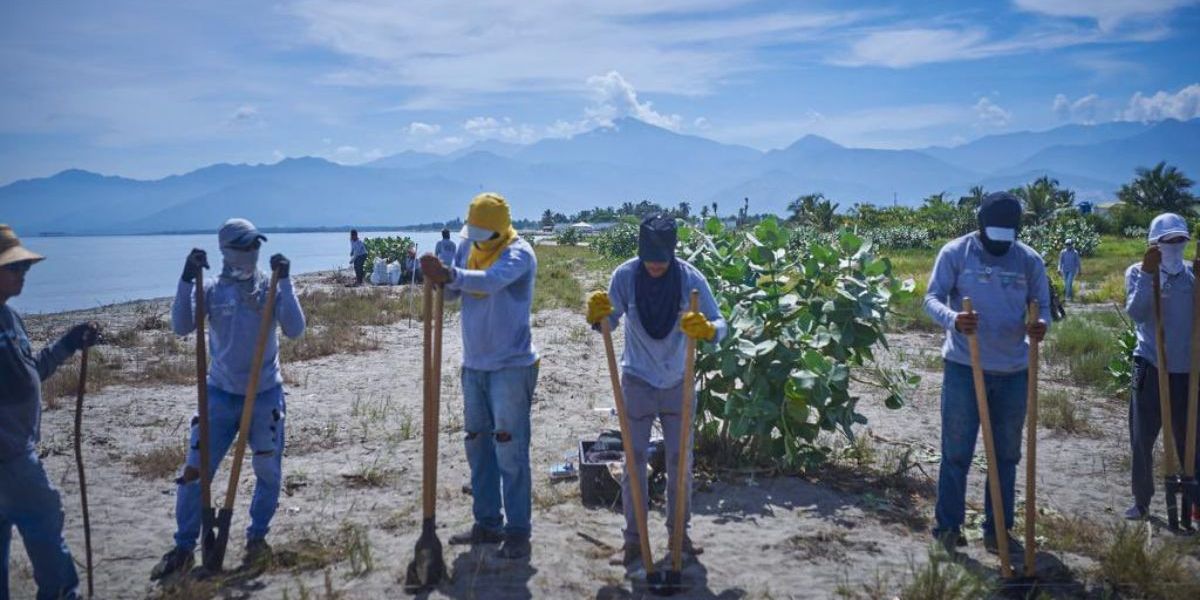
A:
[496,407]
[266,448]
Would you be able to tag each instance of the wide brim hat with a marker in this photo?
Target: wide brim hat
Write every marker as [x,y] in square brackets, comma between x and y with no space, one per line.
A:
[11,250]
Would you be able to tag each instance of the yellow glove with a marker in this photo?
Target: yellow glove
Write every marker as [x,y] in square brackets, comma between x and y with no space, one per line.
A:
[695,326]
[598,307]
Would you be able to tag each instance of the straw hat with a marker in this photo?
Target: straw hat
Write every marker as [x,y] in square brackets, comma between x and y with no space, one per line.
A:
[11,250]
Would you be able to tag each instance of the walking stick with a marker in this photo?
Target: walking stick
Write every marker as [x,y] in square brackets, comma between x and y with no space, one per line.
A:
[632,468]
[208,538]
[225,516]
[985,423]
[428,566]
[87,524]
[1031,449]
[674,576]
[1171,481]
[1191,489]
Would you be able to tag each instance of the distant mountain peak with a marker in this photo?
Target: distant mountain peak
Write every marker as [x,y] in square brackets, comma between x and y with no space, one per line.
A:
[813,142]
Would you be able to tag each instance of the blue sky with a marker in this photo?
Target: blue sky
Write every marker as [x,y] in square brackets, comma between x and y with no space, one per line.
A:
[147,88]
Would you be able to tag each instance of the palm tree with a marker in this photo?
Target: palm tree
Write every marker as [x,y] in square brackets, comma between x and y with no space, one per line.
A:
[973,198]
[1043,198]
[814,211]
[1161,189]
[684,210]
[704,212]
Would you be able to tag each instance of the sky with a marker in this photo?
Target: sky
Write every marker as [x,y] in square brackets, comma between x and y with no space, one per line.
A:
[145,88]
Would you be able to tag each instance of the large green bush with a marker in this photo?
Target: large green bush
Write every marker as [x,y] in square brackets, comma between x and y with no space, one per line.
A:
[617,242]
[390,249]
[803,324]
[1050,237]
[899,238]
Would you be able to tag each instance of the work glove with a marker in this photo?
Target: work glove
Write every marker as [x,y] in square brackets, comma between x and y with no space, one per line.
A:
[433,269]
[196,260]
[81,336]
[1151,260]
[599,307]
[282,265]
[697,327]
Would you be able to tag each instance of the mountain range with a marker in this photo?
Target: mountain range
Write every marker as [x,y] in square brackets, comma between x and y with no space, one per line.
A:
[628,161]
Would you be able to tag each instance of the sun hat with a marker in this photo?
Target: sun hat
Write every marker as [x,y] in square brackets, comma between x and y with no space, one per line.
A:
[11,250]
[1166,225]
[239,233]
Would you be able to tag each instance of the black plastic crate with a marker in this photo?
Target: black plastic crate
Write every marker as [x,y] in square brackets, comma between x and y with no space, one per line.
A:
[597,488]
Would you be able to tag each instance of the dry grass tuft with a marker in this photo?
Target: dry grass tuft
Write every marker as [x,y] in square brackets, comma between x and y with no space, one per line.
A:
[1136,567]
[1058,411]
[162,462]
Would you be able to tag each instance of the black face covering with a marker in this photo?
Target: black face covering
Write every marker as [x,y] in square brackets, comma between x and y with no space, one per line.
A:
[658,298]
[998,209]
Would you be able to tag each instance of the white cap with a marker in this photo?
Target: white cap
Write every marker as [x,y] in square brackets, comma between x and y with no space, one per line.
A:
[1001,234]
[476,234]
[1167,225]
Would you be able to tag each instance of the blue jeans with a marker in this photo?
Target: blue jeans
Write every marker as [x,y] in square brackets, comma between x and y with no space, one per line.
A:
[496,407]
[1069,284]
[960,426]
[643,403]
[28,501]
[266,444]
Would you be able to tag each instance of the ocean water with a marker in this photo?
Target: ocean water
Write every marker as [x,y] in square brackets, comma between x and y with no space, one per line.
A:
[85,272]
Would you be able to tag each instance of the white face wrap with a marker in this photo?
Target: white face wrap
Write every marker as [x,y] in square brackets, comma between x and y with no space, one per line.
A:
[1172,256]
[240,264]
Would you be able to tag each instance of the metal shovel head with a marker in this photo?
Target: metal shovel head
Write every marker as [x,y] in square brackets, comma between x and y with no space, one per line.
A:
[1020,586]
[1172,487]
[427,567]
[664,583]
[213,546]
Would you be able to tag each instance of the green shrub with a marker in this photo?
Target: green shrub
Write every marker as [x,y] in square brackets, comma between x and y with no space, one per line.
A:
[569,237]
[1050,237]
[896,238]
[617,242]
[390,249]
[800,322]
[1084,347]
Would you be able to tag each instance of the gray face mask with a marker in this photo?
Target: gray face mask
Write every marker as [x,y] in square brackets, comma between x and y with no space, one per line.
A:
[241,265]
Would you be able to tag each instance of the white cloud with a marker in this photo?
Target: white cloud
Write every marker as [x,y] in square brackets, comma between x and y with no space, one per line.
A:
[701,124]
[991,114]
[1082,110]
[876,127]
[419,128]
[1182,105]
[501,129]
[346,151]
[616,98]
[1108,14]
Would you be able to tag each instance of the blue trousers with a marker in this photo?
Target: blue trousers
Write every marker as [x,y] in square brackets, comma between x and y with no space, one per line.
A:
[644,403]
[29,502]
[1145,423]
[1006,394]
[496,406]
[266,445]
[1069,284]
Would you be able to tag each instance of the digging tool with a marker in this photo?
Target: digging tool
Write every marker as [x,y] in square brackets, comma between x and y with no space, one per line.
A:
[214,561]
[1191,489]
[675,575]
[654,579]
[1031,450]
[428,566]
[1171,481]
[208,538]
[87,524]
[985,423]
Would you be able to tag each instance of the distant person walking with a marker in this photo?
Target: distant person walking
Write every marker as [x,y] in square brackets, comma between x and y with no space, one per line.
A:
[1069,266]
[446,248]
[358,257]
[28,501]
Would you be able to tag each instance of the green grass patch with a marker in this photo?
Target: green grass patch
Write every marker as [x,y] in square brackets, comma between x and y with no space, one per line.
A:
[1084,346]
[563,273]
[1058,411]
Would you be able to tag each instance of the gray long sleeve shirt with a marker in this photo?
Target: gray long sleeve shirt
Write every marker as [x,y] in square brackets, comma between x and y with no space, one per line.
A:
[1177,292]
[658,362]
[233,331]
[21,375]
[1068,261]
[1000,288]
[497,304]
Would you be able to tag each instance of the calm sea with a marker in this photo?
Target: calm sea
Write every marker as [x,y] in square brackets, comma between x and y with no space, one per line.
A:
[84,272]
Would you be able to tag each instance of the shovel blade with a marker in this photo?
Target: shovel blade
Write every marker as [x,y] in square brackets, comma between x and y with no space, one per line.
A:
[665,583]
[1171,487]
[213,545]
[428,567]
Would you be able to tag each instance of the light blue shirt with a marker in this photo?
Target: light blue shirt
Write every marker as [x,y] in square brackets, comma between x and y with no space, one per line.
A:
[1000,288]
[1068,261]
[496,307]
[357,248]
[21,375]
[233,331]
[1177,315]
[658,362]
[445,251]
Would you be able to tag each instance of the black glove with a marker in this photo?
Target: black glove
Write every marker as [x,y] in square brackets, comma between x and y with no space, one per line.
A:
[281,264]
[197,259]
[82,336]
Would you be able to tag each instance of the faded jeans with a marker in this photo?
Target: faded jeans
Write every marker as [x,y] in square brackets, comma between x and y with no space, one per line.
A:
[960,427]
[265,445]
[643,403]
[33,506]
[496,420]
[1069,284]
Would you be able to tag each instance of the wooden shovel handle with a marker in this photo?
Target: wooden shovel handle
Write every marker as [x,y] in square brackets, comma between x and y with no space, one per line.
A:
[260,349]
[429,416]
[1189,459]
[1031,424]
[1170,455]
[202,395]
[632,468]
[83,499]
[685,436]
[989,445]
